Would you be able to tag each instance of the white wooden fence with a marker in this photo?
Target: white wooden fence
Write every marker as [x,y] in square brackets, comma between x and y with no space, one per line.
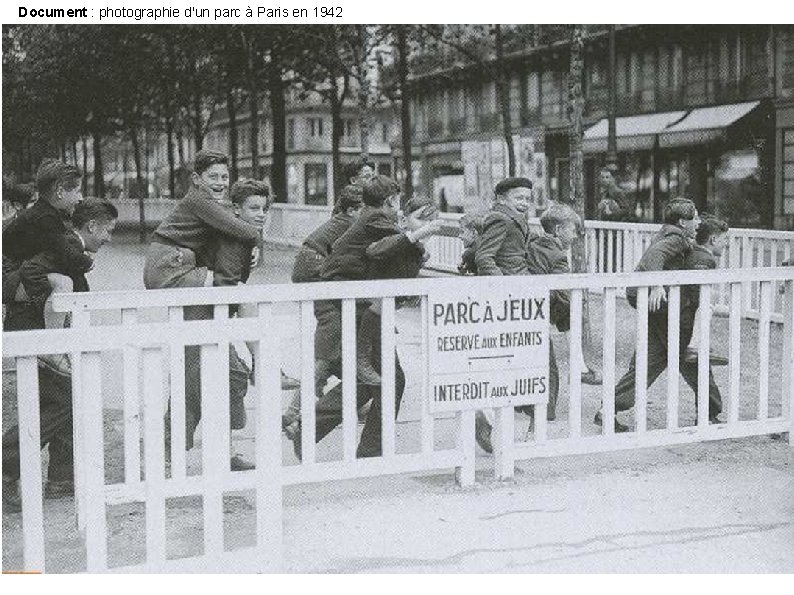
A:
[154,373]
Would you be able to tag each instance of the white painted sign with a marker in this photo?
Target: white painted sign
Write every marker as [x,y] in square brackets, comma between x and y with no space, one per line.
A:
[489,345]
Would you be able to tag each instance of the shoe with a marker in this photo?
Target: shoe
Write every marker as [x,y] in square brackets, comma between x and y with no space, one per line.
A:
[56,362]
[365,372]
[591,377]
[691,357]
[58,489]
[238,463]
[293,432]
[11,501]
[619,427]
[363,411]
[482,432]
[288,382]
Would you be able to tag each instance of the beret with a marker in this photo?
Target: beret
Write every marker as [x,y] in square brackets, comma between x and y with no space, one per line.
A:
[510,183]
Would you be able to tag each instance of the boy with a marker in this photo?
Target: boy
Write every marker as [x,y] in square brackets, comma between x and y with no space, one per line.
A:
[43,228]
[308,264]
[178,253]
[230,260]
[93,221]
[547,254]
[350,260]
[669,251]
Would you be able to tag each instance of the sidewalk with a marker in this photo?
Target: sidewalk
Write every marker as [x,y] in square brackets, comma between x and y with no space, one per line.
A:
[717,507]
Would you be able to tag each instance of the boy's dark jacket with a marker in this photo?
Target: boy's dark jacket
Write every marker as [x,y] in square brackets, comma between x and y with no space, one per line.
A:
[348,259]
[668,252]
[41,228]
[317,246]
[545,256]
[33,273]
[502,249]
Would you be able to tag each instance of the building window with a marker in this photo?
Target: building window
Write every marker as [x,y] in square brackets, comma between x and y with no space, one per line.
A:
[551,93]
[291,133]
[316,127]
[347,127]
[788,171]
[385,132]
[315,175]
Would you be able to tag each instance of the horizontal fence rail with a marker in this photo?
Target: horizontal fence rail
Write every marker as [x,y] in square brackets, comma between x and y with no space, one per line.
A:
[156,351]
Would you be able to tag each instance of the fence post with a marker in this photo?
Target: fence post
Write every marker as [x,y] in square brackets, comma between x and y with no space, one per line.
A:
[29,425]
[788,358]
[464,473]
[504,445]
[80,319]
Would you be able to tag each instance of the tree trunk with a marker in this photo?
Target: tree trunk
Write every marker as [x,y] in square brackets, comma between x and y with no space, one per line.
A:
[74,152]
[577,193]
[405,114]
[169,134]
[142,189]
[99,177]
[363,115]
[85,165]
[278,113]
[612,141]
[231,108]
[180,144]
[253,103]
[503,95]
[337,130]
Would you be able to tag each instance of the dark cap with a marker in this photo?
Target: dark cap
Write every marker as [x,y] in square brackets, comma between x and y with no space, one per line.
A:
[510,183]
[418,202]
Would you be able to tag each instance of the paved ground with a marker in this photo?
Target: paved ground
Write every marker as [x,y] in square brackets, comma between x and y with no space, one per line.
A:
[718,507]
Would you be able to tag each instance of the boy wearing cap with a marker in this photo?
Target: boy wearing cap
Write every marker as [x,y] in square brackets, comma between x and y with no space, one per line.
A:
[471,235]
[668,251]
[505,232]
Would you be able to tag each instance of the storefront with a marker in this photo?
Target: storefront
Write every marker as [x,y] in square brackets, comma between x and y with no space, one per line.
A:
[719,156]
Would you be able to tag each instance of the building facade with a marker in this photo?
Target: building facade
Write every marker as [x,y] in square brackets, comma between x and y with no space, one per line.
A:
[703,111]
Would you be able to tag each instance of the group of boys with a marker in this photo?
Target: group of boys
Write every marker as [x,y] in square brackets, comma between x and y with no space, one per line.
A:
[48,248]
[502,244]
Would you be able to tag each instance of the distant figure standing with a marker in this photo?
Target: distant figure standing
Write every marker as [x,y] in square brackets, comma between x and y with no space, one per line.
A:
[613,206]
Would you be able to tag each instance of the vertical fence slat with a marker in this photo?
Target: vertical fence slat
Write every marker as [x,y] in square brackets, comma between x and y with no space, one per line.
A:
[80,319]
[608,387]
[464,473]
[575,349]
[764,320]
[747,262]
[177,400]
[214,440]
[777,301]
[610,248]
[735,350]
[154,457]
[96,529]
[427,420]
[132,406]
[600,252]
[592,254]
[30,463]
[704,348]
[504,441]
[673,355]
[641,361]
[268,448]
[388,346]
[308,404]
[349,408]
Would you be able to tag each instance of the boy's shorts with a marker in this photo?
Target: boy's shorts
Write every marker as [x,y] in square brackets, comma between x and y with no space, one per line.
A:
[171,266]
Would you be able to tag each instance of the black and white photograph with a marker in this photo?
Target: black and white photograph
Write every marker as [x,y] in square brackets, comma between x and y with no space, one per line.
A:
[310,296]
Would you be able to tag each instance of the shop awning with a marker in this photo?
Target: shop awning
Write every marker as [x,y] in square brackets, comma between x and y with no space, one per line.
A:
[705,124]
[634,133]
